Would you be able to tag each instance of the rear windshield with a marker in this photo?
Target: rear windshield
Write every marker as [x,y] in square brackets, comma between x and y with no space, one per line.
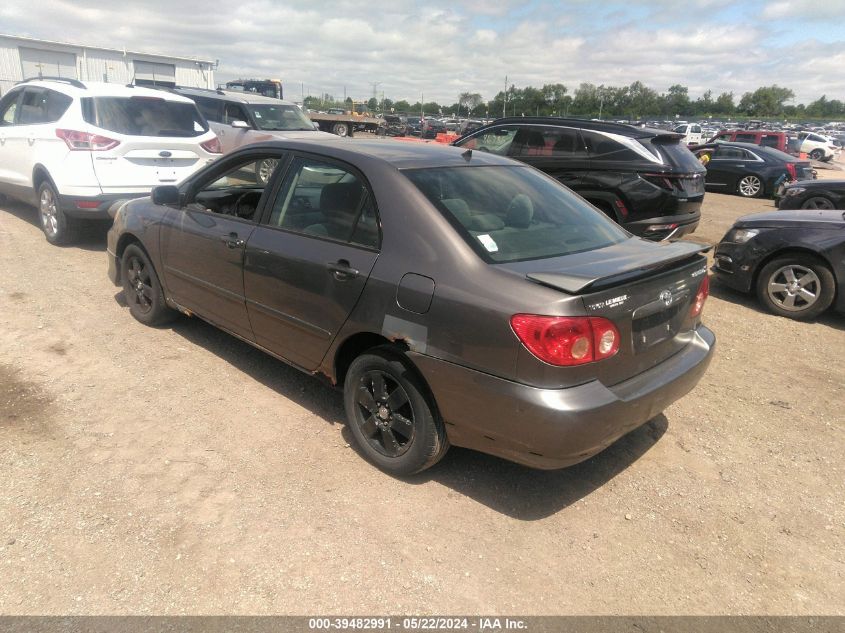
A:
[280,117]
[511,214]
[677,155]
[144,116]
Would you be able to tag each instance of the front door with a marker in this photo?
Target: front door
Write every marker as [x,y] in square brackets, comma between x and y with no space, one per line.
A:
[203,243]
[307,263]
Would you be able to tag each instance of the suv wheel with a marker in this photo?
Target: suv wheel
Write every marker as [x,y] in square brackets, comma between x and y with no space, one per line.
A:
[796,286]
[750,186]
[393,420]
[817,154]
[57,227]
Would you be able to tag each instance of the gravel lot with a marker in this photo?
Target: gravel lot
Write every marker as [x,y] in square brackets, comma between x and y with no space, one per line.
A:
[179,470]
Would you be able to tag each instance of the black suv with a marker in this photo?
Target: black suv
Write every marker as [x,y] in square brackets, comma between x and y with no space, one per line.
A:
[647,180]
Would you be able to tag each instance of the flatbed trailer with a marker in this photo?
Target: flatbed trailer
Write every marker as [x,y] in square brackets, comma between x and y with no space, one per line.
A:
[345,124]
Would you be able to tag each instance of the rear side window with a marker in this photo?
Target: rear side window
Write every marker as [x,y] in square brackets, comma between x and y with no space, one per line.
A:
[210,108]
[510,214]
[603,147]
[144,116]
[33,108]
[325,200]
[769,140]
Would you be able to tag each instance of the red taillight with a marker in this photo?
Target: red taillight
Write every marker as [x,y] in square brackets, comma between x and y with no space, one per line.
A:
[212,146]
[86,141]
[790,167]
[566,341]
[700,297]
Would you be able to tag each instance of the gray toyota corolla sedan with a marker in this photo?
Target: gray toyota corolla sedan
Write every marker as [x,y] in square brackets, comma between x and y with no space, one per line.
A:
[457,298]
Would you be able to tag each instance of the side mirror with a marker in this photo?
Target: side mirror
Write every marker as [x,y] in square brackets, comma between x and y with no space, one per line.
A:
[165,194]
[241,125]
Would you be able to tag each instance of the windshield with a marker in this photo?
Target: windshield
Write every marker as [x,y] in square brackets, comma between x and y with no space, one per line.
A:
[283,117]
[510,214]
[144,116]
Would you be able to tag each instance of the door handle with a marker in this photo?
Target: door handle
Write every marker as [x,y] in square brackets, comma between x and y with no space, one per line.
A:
[342,270]
[232,240]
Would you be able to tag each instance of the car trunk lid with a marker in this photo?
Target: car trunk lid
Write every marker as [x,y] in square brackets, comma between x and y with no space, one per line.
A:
[647,290]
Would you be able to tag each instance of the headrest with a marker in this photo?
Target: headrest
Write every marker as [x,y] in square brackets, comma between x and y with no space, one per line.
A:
[520,212]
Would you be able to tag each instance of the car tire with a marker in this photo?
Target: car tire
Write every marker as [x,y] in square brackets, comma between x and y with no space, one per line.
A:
[392,417]
[341,129]
[142,288]
[817,154]
[783,282]
[58,228]
[750,186]
[264,169]
[818,202]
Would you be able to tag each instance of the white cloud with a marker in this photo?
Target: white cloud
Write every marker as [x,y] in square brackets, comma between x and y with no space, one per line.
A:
[445,47]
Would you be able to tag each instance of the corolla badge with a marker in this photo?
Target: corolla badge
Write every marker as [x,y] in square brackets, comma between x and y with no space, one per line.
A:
[666,297]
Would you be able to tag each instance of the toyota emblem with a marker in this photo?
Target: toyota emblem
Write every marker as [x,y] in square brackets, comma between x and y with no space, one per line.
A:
[666,297]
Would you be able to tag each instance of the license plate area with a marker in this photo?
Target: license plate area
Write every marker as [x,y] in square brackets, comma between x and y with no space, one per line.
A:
[652,324]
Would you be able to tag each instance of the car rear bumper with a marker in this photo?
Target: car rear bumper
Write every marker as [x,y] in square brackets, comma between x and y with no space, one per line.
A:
[665,227]
[94,207]
[554,428]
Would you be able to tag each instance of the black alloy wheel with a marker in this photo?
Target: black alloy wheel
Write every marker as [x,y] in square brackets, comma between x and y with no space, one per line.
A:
[141,288]
[818,202]
[394,421]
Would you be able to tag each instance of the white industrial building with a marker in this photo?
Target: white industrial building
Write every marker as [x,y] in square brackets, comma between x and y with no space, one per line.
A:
[25,57]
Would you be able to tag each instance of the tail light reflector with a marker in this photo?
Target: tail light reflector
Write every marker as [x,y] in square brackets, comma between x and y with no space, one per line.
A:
[700,297]
[87,204]
[212,146]
[566,341]
[77,141]
[790,168]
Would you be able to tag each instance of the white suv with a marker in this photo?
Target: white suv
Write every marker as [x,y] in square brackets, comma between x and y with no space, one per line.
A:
[818,147]
[74,148]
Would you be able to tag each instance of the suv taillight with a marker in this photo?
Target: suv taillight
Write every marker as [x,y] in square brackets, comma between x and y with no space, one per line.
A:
[566,341]
[790,167]
[212,146]
[86,141]
[700,297]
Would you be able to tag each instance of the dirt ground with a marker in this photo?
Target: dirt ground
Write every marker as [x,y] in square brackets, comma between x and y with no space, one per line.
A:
[178,470]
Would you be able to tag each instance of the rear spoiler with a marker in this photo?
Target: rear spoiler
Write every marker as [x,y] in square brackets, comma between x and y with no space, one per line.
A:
[576,284]
[667,137]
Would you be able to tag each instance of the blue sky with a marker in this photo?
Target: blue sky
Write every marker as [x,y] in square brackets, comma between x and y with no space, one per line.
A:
[442,48]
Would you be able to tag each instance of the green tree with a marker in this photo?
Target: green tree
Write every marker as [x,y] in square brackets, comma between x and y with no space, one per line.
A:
[766,101]
[724,104]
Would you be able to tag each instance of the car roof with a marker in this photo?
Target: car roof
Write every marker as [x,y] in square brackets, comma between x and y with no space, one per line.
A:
[76,88]
[400,154]
[600,126]
[235,96]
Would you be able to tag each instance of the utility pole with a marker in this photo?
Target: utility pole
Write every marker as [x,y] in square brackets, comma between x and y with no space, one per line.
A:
[505,106]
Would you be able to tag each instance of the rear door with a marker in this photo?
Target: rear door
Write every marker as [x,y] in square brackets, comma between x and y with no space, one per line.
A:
[307,263]
[725,166]
[203,242]
[556,150]
[158,141]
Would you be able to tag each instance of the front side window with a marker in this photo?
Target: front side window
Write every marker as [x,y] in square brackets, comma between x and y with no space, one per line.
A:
[326,200]
[234,112]
[769,140]
[280,117]
[510,214]
[236,192]
[496,141]
[144,116]
[9,107]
